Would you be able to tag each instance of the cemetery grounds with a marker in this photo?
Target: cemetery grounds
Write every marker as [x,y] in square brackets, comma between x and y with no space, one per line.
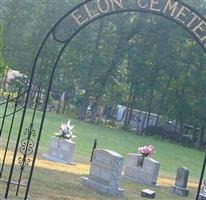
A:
[56,181]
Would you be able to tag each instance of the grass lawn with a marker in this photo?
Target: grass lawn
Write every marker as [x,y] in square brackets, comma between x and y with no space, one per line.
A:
[52,183]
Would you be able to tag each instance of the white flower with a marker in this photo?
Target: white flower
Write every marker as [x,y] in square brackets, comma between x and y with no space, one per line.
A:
[66,130]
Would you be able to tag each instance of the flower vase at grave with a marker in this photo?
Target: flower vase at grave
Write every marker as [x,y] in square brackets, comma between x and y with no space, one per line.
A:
[145,171]
[61,148]
[140,160]
[144,151]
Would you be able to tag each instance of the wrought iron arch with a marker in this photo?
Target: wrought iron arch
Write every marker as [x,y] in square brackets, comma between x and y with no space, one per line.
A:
[91,10]
[66,42]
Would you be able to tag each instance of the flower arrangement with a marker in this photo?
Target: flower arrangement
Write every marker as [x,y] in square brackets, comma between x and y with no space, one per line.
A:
[146,151]
[65,131]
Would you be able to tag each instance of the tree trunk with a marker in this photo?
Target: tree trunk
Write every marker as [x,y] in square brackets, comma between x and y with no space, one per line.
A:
[157,120]
[130,111]
[143,122]
[194,131]
[58,106]
[85,103]
[126,122]
[32,95]
[65,102]
[4,81]
[150,107]
[83,107]
[181,125]
[138,121]
[94,112]
[140,112]
[201,136]
[162,100]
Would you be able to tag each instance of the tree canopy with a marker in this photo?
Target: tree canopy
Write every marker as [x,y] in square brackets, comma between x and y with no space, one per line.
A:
[134,59]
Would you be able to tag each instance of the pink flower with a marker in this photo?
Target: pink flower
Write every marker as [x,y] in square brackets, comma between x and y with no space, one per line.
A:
[146,150]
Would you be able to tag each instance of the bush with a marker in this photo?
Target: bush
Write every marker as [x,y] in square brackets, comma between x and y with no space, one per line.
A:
[168,134]
[153,130]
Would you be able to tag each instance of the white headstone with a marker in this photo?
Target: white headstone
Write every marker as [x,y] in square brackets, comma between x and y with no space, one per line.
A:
[61,150]
[105,173]
[147,173]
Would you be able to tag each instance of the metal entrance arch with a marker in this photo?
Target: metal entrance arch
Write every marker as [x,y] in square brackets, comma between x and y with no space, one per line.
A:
[78,18]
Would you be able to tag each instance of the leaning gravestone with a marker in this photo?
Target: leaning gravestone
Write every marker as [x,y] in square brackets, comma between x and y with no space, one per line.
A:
[146,173]
[61,150]
[180,187]
[105,173]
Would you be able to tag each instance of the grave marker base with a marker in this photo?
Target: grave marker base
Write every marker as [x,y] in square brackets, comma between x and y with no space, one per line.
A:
[102,189]
[61,150]
[179,191]
[54,159]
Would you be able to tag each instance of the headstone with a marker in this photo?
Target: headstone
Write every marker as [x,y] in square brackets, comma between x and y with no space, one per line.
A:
[146,173]
[149,194]
[105,173]
[180,187]
[202,195]
[61,150]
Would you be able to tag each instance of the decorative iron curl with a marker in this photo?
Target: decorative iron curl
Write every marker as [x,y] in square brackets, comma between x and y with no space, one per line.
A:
[23,163]
[26,143]
[30,131]
[204,187]
[27,146]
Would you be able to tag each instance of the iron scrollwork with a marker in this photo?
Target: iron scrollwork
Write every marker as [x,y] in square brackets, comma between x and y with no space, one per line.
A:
[27,146]
[204,188]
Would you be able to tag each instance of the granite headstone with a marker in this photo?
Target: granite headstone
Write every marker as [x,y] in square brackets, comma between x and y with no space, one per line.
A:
[105,173]
[61,150]
[146,173]
[180,187]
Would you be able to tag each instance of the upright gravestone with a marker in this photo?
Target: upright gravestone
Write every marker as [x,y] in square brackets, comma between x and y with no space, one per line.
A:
[145,172]
[61,150]
[105,173]
[180,187]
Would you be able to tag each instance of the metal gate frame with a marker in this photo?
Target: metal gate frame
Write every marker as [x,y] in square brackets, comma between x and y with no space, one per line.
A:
[27,145]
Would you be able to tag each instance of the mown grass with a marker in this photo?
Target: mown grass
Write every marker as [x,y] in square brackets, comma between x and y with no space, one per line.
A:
[170,155]
[54,181]
[50,184]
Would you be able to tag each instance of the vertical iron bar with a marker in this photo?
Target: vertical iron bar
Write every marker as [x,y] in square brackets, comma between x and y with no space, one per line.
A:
[28,139]
[201,178]
[5,110]
[17,143]
[9,135]
[94,147]
[25,108]
[42,121]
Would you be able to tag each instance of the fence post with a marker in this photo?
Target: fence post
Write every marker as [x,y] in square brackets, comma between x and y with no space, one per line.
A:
[201,178]
[9,135]
[94,147]
[4,116]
